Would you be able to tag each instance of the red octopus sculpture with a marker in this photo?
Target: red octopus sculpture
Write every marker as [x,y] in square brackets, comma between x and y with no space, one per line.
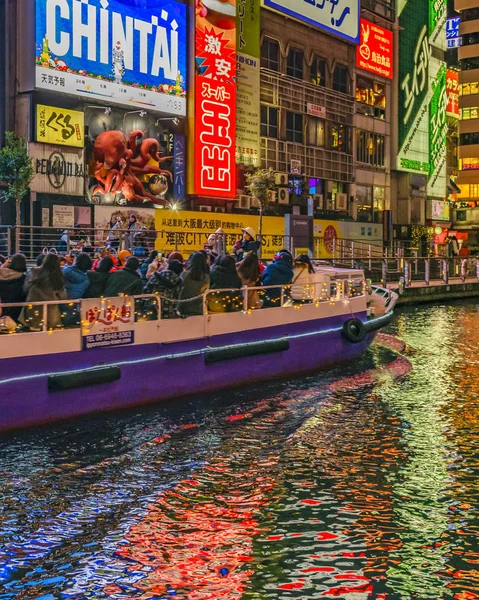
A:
[120,162]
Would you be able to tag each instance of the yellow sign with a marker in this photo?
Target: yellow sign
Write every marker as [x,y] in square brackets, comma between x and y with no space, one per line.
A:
[60,126]
[187,231]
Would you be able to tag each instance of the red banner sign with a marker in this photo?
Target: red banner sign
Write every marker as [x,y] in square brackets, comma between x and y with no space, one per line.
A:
[215,106]
[452,91]
[375,50]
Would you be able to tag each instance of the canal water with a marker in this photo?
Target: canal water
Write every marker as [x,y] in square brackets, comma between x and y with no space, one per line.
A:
[360,483]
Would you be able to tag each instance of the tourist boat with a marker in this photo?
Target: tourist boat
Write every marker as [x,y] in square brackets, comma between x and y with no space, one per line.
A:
[123,356]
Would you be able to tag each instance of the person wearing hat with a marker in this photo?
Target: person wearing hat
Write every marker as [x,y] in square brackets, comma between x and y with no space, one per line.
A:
[123,256]
[247,244]
[279,272]
[216,242]
[303,288]
[126,281]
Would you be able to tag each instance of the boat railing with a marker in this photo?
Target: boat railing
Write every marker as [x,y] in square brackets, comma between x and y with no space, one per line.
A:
[53,315]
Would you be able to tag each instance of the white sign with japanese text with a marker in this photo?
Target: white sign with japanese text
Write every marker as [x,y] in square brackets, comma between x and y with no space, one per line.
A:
[315,110]
[340,17]
[108,322]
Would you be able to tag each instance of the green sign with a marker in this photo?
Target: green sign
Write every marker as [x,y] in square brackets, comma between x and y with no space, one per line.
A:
[437,121]
[437,23]
[414,54]
[248,31]
[414,165]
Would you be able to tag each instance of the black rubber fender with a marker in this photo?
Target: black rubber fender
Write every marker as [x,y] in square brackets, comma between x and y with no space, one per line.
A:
[354,331]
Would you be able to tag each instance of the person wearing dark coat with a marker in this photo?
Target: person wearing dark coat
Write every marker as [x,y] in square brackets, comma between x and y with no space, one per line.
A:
[76,278]
[99,278]
[249,243]
[224,275]
[279,272]
[196,281]
[167,284]
[126,281]
[12,280]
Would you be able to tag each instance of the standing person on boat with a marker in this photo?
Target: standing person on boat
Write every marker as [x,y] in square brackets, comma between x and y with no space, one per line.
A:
[249,273]
[167,283]
[125,281]
[196,281]
[76,278]
[46,284]
[303,288]
[247,244]
[223,275]
[12,280]
[133,228]
[279,272]
[98,278]
[115,227]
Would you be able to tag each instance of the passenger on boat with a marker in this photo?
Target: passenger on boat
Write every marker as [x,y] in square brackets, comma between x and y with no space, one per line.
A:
[46,284]
[216,242]
[176,256]
[99,278]
[12,280]
[146,263]
[104,252]
[196,281]
[249,243]
[122,258]
[223,275]
[115,226]
[76,278]
[125,281]
[133,228]
[279,272]
[249,273]
[167,283]
[303,288]
[3,259]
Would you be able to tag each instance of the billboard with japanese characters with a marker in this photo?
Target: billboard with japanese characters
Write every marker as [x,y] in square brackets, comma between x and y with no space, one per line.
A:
[452,89]
[114,51]
[60,126]
[340,17]
[375,50]
[215,99]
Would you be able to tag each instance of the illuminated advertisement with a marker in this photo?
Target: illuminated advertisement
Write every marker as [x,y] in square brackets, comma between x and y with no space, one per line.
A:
[452,90]
[60,126]
[248,115]
[114,51]
[340,17]
[437,128]
[452,32]
[215,101]
[375,50]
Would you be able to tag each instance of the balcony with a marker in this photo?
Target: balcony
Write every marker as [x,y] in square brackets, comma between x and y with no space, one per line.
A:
[315,162]
[294,94]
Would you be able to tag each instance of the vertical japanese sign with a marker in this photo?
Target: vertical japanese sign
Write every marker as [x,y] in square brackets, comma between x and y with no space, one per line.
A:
[437,128]
[248,121]
[215,99]
[179,162]
[452,90]
[452,32]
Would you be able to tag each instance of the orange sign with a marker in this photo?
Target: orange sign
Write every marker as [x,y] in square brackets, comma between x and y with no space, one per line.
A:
[452,91]
[375,50]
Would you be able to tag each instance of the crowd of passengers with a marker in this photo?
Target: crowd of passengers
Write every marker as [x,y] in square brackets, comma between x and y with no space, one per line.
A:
[180,284]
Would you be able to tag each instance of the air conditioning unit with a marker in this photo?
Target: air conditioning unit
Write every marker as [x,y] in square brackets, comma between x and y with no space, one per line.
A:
[254,202]
[205,208]
[220,209]
[283,196]
[281,178]
[244,202]
[341,202]
[272,196]
[318,200]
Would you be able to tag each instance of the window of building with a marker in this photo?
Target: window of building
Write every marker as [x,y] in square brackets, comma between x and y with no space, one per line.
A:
[469,39]
[270,54]
[315,132]
[339,138]
[474,190]
[294,127]
[371,97]
[467,64]
[317,72]
[294,65]
[379,197]
[269,121]
[469,113]
[370,148]
[364,200]
[470,14]
[341,79]
[467,139]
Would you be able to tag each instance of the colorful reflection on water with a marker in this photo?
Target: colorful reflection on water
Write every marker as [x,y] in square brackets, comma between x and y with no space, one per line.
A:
[361,483]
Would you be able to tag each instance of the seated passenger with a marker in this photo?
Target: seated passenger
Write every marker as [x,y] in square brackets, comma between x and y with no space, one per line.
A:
[249,273]
[125,281]
[303,288]
[247,244]
[196,281]
[167,283]
[76,278]
[223,276]
[98,278]
[122,258]
[146,263]
[279,272]
[12,280]
[46,284]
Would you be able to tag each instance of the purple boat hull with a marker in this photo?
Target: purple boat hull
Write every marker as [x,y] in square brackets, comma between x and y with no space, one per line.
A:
[158,372]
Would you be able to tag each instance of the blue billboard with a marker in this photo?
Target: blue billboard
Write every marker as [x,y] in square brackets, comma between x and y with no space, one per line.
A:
[114,50]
